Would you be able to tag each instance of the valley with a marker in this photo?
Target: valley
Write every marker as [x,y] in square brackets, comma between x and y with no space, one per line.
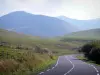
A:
[29,54]
[32,44]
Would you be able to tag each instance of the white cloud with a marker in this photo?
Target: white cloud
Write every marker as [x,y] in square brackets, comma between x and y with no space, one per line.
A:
[79,9]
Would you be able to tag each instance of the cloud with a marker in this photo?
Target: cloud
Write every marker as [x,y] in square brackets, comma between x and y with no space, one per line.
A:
[34,6]
[79,9]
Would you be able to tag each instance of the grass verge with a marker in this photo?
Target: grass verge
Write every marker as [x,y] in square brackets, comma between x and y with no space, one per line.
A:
[81,57]
[23,62]
[44,66]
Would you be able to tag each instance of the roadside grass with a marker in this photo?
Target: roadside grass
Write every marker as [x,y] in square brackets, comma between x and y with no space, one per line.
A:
[81,57]
[25,61]
[22,62]
[43,67]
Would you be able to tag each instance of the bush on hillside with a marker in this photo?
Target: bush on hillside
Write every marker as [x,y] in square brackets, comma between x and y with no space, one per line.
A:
[95,54]
[38,49]
[92,51]
[86,49]
[19,47]
[5,44]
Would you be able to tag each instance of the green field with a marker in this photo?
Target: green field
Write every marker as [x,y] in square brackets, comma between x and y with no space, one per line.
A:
[22,54]
[19,56]
[92,34]
[27,41]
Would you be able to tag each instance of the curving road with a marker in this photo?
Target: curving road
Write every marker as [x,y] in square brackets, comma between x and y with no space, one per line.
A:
[70,65]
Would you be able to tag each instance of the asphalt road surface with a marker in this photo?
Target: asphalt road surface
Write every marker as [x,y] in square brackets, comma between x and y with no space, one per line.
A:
[70,65]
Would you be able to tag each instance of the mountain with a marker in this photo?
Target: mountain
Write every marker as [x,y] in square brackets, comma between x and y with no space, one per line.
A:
[86,34]
[82,24]
[37,25]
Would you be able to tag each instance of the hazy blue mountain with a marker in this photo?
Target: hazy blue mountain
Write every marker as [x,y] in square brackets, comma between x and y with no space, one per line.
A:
[82,24]
[37,25]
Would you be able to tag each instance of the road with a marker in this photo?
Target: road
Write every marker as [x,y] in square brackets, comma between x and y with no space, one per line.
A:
[70,65]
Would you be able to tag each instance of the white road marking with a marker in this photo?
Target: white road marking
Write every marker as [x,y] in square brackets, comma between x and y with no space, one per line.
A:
[57,61]
[71,68]
[52,67]
[95,68]
[48,70]
[41,73]
[97,73]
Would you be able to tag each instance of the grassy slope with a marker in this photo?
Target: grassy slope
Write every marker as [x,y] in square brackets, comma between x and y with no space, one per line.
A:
[22,61]
[31,41]
[87,34]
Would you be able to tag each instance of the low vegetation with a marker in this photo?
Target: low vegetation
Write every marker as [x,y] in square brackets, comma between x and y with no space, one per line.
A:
[25,55]
[23,62]
[92,34]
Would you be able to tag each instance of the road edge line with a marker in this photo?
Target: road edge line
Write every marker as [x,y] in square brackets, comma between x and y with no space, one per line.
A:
[72,66]
[51,68]
[95,69]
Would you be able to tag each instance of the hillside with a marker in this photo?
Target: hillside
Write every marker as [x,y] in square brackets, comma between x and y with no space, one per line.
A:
[13,37]
[82,24]
[37,25]
[22,54]
[87,34]
[28,41]
[17,54]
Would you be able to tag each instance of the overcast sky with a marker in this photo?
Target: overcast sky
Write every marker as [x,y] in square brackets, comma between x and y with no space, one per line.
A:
[77,9]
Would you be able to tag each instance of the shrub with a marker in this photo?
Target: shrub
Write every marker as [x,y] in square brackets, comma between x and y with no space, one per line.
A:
[86,49]
[7,66]
[38,49]
[95,54]
[92,51]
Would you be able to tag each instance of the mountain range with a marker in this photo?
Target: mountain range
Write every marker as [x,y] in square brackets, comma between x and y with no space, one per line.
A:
[37,25]
[82,24]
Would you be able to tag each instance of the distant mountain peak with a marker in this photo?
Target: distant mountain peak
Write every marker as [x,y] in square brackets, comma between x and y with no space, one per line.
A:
[38,25]
[19,12]
[82,24]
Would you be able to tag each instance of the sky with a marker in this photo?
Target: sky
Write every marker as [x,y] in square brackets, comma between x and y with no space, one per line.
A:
[76,9]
